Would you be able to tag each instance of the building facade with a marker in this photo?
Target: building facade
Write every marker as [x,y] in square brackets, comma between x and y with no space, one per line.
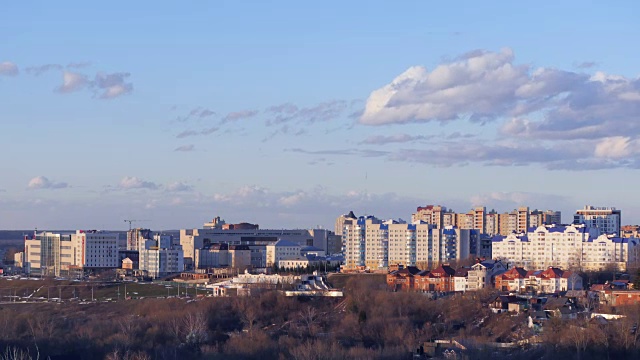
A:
[369,243]
[569,247]
[606,219]
[551,280]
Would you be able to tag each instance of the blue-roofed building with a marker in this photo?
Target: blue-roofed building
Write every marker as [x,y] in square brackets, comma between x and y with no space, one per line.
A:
[567,246]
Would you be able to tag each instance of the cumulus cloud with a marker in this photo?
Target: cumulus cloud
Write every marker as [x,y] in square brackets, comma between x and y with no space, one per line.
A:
[561,119]
[105,86]
[72,82]
[109,86]
[42,182]
[132,182]
[189,147]
[484,86]
[8,68]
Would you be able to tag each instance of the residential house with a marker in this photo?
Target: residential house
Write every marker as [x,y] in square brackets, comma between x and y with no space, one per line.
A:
[511,280]
[460,279]
[551,280]
[441,279]
[481,275]
[402,279]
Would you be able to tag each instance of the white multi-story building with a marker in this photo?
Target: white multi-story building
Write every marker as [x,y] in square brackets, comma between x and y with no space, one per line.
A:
[47,253]
[568,247]
[606,219]
[372,244]
[282,250]
[156,261]
[96,249]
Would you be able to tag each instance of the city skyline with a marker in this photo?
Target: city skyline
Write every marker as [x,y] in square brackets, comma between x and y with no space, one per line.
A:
[291,116]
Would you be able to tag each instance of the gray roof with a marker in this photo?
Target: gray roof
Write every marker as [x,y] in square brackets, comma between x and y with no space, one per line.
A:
[283,242]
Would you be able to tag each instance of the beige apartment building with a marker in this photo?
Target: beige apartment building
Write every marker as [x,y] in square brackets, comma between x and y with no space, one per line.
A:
[491,223]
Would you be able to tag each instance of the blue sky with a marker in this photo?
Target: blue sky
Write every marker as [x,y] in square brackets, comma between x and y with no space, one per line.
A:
[290,114]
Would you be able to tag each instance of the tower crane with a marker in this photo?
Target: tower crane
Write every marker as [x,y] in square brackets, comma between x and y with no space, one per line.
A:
[132,221]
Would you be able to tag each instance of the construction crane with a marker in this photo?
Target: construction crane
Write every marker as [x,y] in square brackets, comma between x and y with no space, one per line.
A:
[132,221]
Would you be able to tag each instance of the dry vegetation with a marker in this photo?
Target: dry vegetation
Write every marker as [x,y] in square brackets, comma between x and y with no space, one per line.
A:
[369,323]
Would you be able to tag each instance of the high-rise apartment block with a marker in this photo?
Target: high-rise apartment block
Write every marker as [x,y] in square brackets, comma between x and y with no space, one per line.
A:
[370,243]
[606,219]
[486,222]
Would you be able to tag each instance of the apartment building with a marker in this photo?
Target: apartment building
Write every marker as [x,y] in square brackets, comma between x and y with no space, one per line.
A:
[157,261]
[136,237]
[569,247]
[96,249]
[373,244]
[606,219]
[48,253]
[486,222]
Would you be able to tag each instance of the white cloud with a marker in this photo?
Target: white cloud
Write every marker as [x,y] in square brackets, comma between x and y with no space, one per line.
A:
[72,82]
[484,86]
[617,147]
[132,182]
[179,187]
[8,68]
[113,85]
[42,182]
[481,85]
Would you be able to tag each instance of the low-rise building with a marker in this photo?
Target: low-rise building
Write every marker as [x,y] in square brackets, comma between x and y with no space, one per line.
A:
[460,280]
[551,280]
[403,279]
[282,250]
[481,275]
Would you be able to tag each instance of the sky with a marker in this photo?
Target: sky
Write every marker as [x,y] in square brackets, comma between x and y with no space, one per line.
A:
[288,114]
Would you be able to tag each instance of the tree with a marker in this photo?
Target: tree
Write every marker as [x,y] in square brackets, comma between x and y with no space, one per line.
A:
[636,281]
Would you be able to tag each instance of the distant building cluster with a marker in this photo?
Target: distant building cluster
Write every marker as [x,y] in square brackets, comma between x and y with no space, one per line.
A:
[595,240]
[490,223]
[63,254]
